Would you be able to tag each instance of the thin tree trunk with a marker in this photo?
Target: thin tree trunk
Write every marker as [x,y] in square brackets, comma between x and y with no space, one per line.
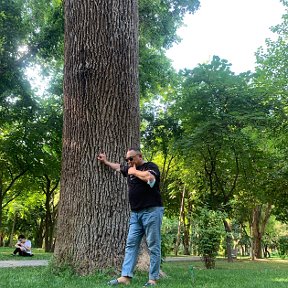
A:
[229,240]
[39,234]
[266,217]
[49,191]
[101,113]
[1,232]
[187,227]
[186,236]
[11,242]
[48,226]
[48,221]
[179,222]
[256,232]
[252,254]
[1,210]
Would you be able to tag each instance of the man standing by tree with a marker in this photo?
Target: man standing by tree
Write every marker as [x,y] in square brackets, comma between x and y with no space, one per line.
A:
[147,211]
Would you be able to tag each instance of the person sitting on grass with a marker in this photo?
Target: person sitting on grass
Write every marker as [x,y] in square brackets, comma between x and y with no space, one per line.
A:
[23,247]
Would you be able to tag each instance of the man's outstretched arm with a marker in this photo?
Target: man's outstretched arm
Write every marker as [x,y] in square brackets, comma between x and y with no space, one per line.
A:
[102,158]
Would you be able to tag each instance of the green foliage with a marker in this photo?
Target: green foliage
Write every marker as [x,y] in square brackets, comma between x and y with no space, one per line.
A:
[156,74]
[216,107]
[208,234]
[158,24]
[46,38]
[15,98]
[168,235]
[271,77]
[272,60]
[30,138]
[159,20]
[283,246]
[160,130]
[26,216]
[160,134]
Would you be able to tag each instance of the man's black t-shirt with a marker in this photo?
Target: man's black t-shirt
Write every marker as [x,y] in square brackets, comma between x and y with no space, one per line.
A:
[141,195]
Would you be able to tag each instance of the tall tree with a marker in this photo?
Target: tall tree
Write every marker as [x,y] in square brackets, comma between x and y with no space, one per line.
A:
[215,108]
[16,104]
[101,113]
[272,77]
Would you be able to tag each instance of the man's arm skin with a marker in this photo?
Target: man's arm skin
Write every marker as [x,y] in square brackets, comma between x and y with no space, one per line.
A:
[102,158]
[27,247]
[143,175]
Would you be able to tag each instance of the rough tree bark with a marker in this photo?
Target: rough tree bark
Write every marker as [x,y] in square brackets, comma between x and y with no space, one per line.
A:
[101,113]
[260,217]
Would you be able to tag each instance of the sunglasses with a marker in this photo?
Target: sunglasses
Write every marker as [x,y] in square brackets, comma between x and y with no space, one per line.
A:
[130,158]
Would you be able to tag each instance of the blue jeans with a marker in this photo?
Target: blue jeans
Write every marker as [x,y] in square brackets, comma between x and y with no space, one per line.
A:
[145,222]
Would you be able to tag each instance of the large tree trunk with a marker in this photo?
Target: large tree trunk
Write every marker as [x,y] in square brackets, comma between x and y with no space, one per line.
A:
[260,217]
[101,113]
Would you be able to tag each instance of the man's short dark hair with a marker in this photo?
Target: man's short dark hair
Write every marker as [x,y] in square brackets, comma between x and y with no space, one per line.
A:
[21,237]
[136,149]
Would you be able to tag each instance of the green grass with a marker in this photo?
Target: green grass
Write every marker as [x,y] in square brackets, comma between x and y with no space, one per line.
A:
[39,254]
[242,273]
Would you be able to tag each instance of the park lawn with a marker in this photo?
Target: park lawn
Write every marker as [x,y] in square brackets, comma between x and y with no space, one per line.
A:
[242,273]
[39,254]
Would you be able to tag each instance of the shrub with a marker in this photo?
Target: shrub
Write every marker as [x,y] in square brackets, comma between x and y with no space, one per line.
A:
[209,231]
[283,246]
[169,232]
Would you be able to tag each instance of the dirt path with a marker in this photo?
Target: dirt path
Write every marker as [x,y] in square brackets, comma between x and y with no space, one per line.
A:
[23,263]
[182,258]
